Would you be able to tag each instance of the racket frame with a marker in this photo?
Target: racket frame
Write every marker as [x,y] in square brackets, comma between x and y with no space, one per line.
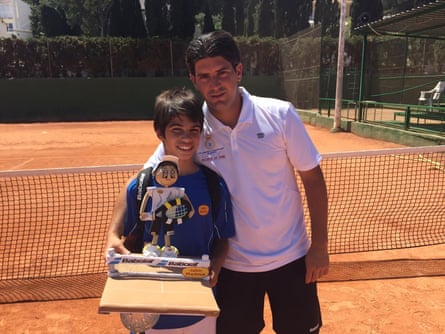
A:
[114,259]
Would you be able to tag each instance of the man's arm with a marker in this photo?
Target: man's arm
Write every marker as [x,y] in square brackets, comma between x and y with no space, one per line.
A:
[219,253]
[317,258]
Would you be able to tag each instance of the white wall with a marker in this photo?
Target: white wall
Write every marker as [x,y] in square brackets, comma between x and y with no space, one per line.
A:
[15,12]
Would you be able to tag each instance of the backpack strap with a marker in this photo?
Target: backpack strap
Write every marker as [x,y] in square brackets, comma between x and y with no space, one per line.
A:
[214,188]
[143,180]
[135,240]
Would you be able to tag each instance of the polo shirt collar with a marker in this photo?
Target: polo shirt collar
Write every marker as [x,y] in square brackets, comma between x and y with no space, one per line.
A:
[246,115]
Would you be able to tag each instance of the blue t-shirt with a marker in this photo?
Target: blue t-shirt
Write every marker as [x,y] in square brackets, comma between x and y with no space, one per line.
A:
[195,236]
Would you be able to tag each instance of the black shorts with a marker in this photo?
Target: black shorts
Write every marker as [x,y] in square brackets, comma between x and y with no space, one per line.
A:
[294,304]
[159,223]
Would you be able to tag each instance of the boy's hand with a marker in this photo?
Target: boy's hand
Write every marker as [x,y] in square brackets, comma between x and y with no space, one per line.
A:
[118,245]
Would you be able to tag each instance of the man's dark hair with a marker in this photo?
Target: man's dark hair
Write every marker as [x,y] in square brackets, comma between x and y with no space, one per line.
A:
[214,44]
[174,103]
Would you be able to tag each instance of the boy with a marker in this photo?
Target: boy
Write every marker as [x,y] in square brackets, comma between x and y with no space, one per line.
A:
[178,122]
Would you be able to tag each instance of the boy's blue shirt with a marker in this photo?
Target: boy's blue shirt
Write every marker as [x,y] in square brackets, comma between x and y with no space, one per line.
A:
[194,237]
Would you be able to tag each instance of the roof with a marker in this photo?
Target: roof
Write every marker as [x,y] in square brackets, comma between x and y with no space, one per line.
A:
[426,21]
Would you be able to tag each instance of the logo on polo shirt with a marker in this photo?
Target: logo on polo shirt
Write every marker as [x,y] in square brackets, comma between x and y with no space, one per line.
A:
[209,143]
[260,135]
[211,154]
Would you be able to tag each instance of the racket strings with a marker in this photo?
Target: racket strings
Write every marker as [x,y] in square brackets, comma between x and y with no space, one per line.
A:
[177,211]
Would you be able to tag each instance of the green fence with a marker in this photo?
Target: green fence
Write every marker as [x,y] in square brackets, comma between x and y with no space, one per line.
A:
[98,99]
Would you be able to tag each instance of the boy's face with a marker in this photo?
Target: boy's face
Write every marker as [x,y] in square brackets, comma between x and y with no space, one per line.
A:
[181,137]
[217,81]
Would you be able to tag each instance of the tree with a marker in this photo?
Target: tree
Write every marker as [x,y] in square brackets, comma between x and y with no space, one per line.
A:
[251,15]
[53,22]
[157,18]
[239,18]
[365,11]
[86,17]
[182,13]
[265,24]
[286,14]
[126,19]
[303,13]
[327,14]
[93,15]
[228,16]
[209,26]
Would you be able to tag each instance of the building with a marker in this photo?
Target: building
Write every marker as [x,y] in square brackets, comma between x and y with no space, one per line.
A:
[14,19]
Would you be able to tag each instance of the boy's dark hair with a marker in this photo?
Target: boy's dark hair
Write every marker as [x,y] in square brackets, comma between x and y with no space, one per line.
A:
[214,44]
[176,102]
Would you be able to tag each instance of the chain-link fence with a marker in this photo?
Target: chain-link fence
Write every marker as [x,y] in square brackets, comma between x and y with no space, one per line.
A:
[300,62]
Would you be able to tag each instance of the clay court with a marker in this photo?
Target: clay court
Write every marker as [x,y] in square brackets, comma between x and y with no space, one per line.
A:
[378,306]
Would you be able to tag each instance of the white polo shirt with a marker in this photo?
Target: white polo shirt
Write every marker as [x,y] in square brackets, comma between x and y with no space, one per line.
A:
[257,160]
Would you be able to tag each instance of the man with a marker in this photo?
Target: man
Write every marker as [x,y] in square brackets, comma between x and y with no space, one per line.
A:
[256,144]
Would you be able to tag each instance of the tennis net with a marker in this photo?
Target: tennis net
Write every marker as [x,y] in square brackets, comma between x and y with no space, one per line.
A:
[54,222]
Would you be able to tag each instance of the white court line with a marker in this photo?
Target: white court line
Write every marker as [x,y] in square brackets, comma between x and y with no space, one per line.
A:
[22,164]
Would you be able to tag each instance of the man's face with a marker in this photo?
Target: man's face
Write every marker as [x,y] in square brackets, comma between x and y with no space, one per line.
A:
[217,81]
[181,138]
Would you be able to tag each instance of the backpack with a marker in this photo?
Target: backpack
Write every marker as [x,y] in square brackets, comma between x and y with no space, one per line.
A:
[134,242]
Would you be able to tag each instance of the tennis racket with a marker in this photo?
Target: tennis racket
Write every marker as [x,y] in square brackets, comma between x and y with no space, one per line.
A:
[174,211]
[182,268]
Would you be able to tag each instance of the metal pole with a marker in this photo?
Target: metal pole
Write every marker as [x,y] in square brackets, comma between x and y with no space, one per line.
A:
[340,66]
[362,77]
[405,64]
